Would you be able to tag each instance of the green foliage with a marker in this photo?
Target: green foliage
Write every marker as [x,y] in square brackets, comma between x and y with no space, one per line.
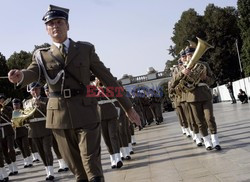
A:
[6,87]
[188,27]
[243,23]
[222,32]
[19,60]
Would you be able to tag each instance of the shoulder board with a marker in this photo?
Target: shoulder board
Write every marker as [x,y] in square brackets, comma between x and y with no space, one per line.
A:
[43,49]
[86,43]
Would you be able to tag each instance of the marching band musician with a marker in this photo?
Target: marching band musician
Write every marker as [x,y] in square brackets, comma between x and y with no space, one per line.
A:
[177,97]
[37,131]
[22,136]
[193,127]
[200,100]
[109,124]
[7,138]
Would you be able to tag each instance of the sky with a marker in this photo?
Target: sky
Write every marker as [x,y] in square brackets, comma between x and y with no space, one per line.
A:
[129,35]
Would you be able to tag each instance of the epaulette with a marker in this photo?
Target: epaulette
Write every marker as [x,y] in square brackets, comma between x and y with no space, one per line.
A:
[86,43]
[40,49]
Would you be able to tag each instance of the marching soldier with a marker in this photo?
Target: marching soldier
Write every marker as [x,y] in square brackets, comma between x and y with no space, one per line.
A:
[156,106]
[37,131]
[72,116]
[177,96]
[146,108]
[200,100]
[109,122]
[138,108]
[22,136]
[7,135]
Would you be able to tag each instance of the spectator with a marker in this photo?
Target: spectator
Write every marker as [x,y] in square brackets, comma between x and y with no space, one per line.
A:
[229,86]
[243,97]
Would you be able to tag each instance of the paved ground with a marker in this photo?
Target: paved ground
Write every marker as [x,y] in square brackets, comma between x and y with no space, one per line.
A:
[163,154]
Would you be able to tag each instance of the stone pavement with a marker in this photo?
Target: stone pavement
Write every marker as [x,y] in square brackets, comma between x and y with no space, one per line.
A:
[163,154]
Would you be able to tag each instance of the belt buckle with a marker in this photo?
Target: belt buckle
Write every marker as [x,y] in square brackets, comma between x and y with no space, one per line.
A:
[66,93]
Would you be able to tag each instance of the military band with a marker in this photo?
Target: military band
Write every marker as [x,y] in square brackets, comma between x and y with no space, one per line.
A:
[78,121]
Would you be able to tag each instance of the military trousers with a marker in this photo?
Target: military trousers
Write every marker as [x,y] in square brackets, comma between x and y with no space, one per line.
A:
[123,130]
[156,107]
[23,144]
[32,146]
[81,150]
[190,117]
[110,131]
[204,117]
[182,117]
[55,148]
[43,145]
[8,149]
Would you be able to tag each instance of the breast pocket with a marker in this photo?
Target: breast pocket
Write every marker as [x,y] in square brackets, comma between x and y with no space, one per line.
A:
[82,70]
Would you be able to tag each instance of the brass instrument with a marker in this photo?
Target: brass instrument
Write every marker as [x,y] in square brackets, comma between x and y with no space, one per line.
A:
[189,82]
[18,117]
[5,103]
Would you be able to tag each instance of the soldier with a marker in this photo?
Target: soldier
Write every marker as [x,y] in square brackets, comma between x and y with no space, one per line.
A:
[200,100]
[177,96]
[138,107]
[146,108]
[7,137]
[72,116]
[22,136]
[109,123]
[156,106]
[37,131]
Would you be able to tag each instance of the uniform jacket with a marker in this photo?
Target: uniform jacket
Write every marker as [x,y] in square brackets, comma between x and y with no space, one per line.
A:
[77,111]
[202,93]
[37,129]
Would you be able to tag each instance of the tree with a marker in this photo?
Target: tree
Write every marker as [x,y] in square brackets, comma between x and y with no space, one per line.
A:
[222,31]
[19,60]
[244,22]
[188,27]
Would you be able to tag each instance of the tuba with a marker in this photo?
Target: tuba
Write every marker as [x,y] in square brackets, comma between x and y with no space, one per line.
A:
[189,82]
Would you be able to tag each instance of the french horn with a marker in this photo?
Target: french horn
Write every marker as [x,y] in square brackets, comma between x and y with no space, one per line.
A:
[18,117]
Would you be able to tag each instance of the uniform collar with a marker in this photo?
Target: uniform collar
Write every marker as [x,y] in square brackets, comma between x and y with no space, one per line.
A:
[66,44]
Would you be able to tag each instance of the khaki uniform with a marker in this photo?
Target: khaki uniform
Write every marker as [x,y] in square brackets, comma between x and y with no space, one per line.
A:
[41,136]
[74,120]
[110,125]
[200,100]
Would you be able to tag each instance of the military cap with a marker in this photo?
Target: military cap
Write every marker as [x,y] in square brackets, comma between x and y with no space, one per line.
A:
[191,48]
[56,12]
[16,101]
[182,52]
[34,85]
